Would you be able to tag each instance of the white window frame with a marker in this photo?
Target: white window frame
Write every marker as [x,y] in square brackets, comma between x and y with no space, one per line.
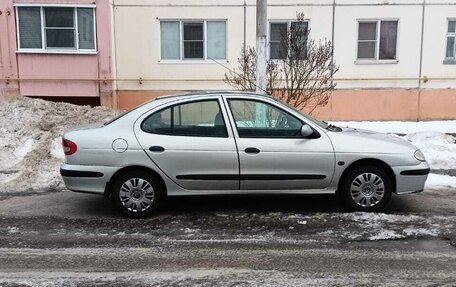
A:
[281,21]
[51,50]
[183,60]
[376,60]
[450,60]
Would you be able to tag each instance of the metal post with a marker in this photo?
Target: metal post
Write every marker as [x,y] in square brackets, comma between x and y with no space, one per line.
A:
[261,42]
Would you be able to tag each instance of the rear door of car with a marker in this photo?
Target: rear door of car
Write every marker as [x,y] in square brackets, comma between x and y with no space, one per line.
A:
[272,153]
[192,144]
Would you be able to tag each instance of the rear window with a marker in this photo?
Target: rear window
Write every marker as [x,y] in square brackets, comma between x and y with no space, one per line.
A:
[126,112]
[200,119]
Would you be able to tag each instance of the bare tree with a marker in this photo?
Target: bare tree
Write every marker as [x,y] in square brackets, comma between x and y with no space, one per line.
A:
[244,77]
[302,73]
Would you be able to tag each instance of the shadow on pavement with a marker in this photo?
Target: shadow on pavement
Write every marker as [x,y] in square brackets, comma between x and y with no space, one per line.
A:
[254,203]
[77,205]
[100,206]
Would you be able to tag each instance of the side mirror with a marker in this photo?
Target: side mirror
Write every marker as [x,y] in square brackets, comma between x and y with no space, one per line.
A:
[306,131]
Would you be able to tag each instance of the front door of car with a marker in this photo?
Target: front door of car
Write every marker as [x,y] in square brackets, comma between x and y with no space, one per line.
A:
[191,144]
[272,152]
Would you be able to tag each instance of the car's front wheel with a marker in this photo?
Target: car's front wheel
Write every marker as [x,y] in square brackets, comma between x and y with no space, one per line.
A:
[366,188]
[137,194]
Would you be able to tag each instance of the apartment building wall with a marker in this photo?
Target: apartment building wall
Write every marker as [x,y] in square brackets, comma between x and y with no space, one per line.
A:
[61,73]
[365,90]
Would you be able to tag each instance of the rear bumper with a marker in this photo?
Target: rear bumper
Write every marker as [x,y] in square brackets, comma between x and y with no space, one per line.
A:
[410,179]
[84,178]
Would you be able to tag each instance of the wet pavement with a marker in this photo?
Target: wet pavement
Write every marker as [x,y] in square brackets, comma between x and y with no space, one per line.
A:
[70,239]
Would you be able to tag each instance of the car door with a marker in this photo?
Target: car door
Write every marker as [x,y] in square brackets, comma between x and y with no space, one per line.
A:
[190,142]
[273,155]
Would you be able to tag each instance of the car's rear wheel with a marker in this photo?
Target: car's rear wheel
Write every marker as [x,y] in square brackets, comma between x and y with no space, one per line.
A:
[137,194]
[366,188]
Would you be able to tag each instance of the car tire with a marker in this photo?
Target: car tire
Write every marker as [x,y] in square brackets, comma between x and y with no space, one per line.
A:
[137,194]
[366,188]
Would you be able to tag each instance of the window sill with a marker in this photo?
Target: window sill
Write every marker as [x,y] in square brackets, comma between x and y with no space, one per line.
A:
[376,62]
[71,52]
[449,61]
[193,62]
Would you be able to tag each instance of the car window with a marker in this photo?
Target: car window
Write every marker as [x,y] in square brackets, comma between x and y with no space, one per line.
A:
[201,119]
[258,119]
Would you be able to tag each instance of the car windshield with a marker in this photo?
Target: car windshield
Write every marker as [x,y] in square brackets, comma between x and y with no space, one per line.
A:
[321,124]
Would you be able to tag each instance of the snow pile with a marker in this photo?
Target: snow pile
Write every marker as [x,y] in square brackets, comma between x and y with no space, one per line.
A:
[402,127]
[439,148]
[30,141]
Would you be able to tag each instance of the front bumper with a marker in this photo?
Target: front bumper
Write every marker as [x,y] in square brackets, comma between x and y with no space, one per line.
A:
[86,178]
[410,179]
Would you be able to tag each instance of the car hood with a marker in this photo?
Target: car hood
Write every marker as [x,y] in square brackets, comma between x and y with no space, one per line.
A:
[366,141]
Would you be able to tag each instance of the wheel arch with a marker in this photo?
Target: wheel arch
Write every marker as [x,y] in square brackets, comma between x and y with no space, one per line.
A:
[369,161]
[126,169]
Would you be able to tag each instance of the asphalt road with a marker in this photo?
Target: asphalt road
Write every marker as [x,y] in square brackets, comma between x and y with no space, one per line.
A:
[70,239]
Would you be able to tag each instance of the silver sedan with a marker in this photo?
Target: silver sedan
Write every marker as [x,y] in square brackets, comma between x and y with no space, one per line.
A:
[235,143]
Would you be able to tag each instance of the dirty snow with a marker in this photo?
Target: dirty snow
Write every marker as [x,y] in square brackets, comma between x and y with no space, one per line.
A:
[30,141]
[386,235]
[382,226]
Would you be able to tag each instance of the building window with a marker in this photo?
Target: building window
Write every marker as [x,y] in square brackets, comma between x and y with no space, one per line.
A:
[451,42]
[193,40]
[56,28]
[377,40]
[277,30]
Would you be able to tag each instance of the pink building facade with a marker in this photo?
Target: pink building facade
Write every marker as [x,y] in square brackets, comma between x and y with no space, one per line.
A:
[56,49]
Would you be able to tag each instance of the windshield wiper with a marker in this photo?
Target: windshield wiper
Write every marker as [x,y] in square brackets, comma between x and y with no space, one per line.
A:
[332,127]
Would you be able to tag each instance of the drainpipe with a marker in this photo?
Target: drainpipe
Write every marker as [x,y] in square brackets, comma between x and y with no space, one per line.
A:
[332,55]
[420,73]
[261,31]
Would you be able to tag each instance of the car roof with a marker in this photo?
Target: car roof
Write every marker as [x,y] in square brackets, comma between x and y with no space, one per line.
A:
[209,93]
[189,95]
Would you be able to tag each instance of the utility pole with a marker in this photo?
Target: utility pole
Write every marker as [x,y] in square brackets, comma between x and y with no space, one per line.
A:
[261,44]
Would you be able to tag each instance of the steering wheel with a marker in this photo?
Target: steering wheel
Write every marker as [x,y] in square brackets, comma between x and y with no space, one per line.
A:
[281,122]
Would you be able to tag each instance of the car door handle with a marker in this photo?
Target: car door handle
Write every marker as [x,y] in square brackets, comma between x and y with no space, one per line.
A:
[252,150]
[157,149]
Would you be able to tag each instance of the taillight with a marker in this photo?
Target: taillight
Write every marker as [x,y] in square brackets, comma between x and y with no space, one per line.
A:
[69,147]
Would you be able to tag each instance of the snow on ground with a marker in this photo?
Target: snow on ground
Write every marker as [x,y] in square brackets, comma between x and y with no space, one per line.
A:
[438,148]
[402,127]
[438,180]
[30,141]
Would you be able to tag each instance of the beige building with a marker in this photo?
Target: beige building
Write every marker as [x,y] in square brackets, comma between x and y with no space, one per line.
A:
[396,58]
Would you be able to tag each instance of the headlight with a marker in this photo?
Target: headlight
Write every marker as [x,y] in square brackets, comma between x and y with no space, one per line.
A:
[419,155]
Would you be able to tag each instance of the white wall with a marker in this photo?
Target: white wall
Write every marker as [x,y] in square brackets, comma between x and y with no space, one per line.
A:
[137,40]
[435,31]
